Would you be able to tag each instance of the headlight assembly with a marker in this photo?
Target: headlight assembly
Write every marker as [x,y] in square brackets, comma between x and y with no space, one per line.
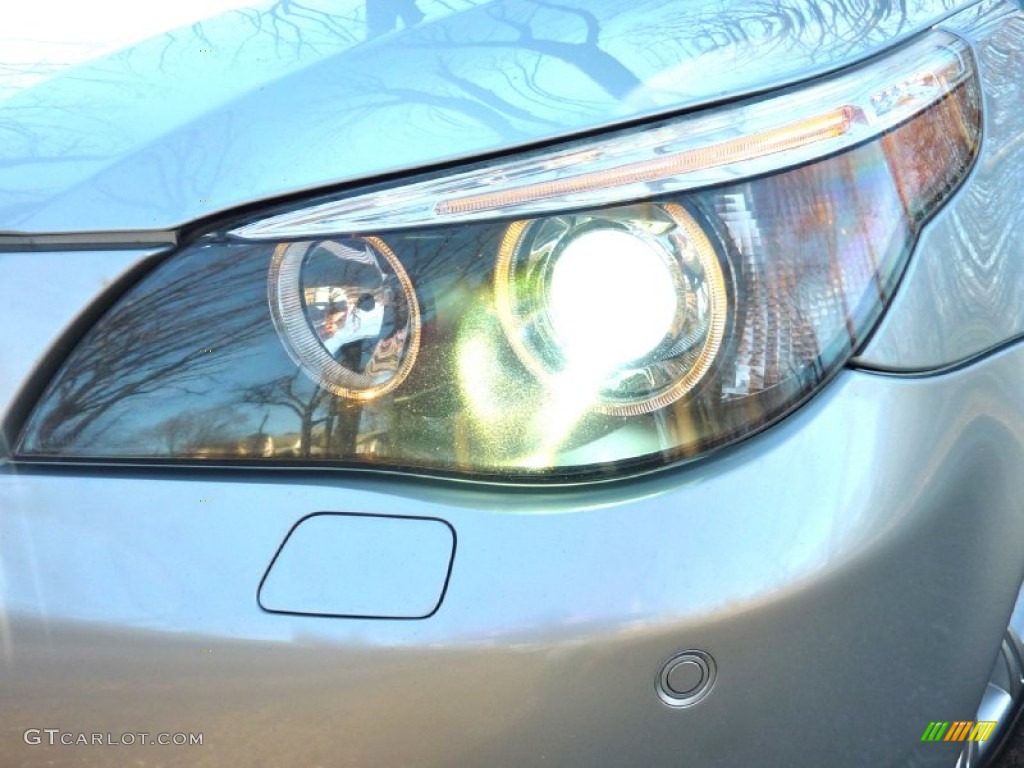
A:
[604,307]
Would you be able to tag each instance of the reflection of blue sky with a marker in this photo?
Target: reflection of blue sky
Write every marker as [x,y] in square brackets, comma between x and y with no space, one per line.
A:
[271,99]
[243,366]
[88,85]
[42,39]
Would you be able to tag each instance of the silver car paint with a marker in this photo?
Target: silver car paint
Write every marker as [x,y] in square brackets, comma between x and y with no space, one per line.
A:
[851,571]
[168,131]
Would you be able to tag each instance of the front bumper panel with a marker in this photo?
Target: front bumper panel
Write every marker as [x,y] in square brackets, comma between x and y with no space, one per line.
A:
[851,572]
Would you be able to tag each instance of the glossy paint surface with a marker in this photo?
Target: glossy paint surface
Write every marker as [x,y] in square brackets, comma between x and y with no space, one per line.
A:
[273,99]
[826,555]
[360,566]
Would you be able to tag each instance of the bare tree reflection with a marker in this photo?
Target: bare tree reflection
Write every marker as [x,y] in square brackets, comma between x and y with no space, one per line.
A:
[295,22]
[160,339]
[588,57]
[196,432]
[383,15]
[288,392]
[287,21]
[467,104]
[827,29]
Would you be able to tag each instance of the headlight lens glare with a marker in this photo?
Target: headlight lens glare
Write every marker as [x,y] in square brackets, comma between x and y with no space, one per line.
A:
[628,309]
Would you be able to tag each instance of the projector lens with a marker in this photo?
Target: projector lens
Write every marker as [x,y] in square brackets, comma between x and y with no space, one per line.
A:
[628,306]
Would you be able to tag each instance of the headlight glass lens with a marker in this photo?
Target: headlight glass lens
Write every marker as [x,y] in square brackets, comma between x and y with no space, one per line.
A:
[346,313]
[626,308]
[588,312]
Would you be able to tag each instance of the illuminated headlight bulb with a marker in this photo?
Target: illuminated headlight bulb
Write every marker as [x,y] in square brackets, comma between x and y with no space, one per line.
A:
[612,299]
[627,307]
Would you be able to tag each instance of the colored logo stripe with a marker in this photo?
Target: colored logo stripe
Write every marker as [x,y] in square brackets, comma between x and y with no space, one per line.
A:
[982,730]
[959,730]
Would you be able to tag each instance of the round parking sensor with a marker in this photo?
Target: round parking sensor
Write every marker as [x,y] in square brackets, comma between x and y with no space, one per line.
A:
[686,678]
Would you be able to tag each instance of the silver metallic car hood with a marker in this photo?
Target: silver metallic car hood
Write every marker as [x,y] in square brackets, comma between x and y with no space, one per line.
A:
[278,98]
